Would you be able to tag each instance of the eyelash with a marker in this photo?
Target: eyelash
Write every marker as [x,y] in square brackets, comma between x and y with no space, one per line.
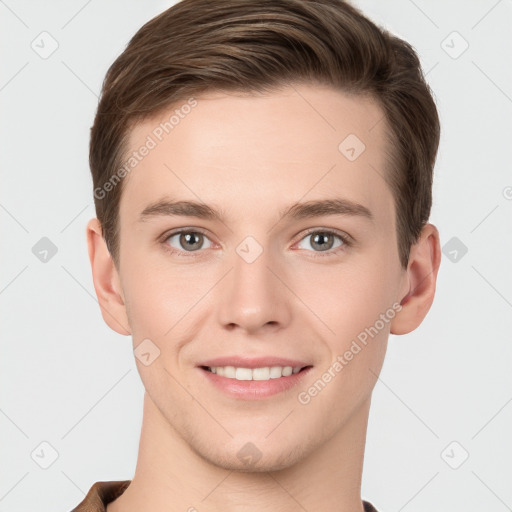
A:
[346,242]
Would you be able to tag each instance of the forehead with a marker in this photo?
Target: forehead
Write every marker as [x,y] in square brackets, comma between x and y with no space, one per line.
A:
[250,153]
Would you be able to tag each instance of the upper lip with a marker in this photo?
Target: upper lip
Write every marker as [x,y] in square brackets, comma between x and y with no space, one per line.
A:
[256,362]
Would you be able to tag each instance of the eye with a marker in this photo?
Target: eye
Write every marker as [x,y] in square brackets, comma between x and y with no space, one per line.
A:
[192,241]
[325,240]
[188,241]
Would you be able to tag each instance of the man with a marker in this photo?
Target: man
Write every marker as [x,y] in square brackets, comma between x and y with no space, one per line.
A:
[262,179]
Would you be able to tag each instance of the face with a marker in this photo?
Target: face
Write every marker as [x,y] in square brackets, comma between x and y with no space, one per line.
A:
[245,280]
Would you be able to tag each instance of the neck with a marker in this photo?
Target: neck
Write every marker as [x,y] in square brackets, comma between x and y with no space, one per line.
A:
[170,474]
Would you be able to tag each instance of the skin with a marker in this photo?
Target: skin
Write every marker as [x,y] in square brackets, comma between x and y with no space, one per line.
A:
[251,156]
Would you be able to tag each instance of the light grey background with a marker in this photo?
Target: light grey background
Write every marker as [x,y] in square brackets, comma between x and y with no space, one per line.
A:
[68,380]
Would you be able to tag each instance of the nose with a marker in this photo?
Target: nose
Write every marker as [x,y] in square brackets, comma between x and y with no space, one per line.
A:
[253,296]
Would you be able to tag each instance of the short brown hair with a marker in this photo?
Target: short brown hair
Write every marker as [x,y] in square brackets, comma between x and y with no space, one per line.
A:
[257,46]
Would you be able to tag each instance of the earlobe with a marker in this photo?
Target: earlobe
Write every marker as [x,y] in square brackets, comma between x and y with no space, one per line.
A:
[106,280]
[424,261]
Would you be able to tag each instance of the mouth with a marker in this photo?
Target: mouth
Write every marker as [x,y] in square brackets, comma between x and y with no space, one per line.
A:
[254,381]
[264,373]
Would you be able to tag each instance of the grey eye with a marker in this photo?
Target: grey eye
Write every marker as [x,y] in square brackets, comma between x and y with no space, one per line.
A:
[322,240]
[190,241]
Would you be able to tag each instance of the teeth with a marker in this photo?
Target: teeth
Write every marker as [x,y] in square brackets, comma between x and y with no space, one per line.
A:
[276,372]
[229,372]
[266,373]
[287,371]
[261,374]
[241,374]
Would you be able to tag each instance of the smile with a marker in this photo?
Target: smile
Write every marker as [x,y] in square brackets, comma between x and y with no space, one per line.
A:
[263,373]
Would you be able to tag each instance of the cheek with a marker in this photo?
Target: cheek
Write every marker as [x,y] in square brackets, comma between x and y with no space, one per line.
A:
[342,300]
[347,299]
[356,306]
[163,298]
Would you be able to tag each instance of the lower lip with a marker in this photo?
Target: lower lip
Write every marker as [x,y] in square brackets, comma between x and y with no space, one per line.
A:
[254,389]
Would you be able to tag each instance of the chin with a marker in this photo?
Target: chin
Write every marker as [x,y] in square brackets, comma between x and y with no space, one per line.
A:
[254,458]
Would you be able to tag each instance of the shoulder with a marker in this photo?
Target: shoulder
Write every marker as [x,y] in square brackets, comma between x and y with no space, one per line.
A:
[368,507]
[100,494]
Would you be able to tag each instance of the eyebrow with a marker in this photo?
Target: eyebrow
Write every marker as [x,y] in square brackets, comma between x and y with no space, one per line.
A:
[309,209]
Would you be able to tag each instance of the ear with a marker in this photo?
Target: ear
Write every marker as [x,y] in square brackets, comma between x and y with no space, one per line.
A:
[106,280]
[419,281]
